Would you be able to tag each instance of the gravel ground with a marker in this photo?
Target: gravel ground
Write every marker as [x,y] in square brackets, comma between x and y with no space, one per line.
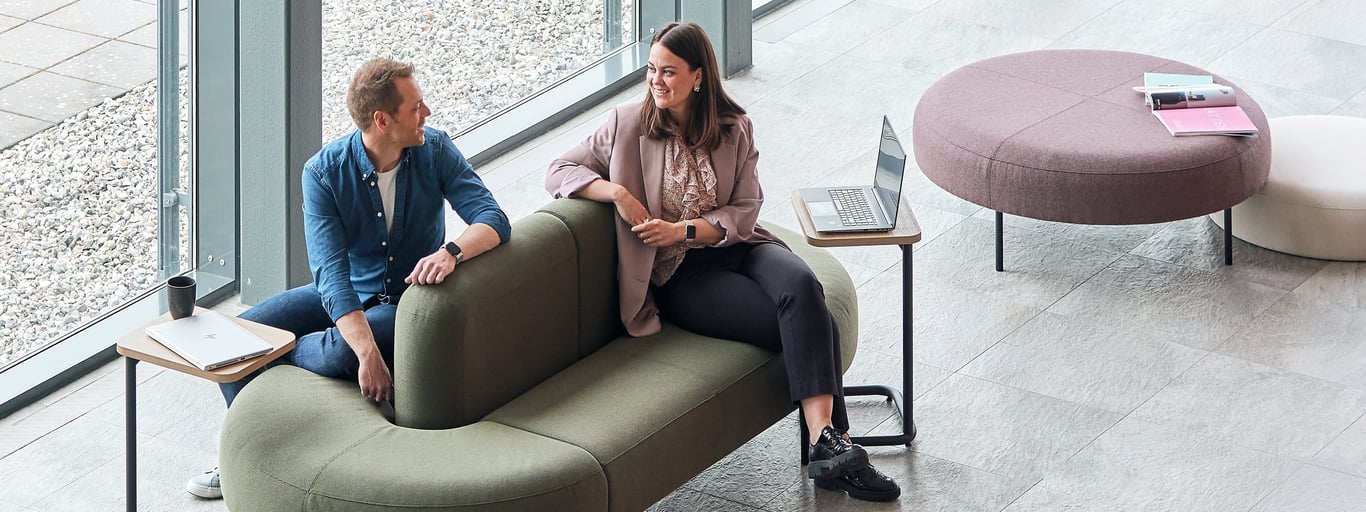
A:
[77,200]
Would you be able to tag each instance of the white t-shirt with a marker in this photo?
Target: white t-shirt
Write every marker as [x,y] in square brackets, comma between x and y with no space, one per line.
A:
[388,181]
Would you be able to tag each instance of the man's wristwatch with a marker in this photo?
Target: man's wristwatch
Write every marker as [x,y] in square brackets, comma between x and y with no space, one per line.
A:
[689,231]
[455,251]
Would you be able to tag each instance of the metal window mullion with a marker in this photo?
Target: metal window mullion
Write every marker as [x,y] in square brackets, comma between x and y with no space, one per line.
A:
[652,14]
[730,25]
[168,136]
[611,25]
[214,145]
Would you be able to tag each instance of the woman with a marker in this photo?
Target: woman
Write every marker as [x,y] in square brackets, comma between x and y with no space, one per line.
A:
[697,256]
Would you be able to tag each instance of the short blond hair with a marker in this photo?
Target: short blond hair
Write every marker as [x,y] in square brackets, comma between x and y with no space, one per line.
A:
[372,89]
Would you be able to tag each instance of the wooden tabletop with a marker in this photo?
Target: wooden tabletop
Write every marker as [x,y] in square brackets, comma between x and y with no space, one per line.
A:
[906,232]
[138,345]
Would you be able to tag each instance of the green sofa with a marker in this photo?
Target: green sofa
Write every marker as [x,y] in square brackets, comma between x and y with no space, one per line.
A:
[517,389]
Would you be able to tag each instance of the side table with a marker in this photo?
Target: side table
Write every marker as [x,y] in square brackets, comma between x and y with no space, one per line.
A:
[137,346]
[906,233]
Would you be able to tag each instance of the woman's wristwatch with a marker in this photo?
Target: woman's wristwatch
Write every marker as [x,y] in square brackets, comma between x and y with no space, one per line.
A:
[689,231]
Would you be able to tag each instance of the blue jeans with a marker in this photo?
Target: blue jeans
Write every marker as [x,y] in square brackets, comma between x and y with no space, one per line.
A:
[319,346]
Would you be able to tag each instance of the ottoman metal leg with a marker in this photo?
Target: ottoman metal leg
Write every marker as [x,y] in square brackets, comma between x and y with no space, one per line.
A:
[1228,236]
[1000,254]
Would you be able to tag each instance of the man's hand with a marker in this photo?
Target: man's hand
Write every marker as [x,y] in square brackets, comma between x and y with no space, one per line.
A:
[376,383]
[658,233]
[432,269]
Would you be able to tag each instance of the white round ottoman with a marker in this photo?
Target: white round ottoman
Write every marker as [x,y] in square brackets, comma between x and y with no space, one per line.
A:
[1314,201]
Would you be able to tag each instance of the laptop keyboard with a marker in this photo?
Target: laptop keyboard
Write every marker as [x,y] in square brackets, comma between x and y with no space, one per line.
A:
[852,206]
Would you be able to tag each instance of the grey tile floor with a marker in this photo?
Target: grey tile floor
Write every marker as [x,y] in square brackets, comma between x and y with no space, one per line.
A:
[1109,368]
[60,57]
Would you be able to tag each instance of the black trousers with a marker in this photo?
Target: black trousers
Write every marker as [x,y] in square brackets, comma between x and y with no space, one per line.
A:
[763,295]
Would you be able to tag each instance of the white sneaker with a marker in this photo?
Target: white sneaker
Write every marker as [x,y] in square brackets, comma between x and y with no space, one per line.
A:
[205,485]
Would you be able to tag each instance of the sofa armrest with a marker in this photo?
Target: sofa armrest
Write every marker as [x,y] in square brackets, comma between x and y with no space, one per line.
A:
[499,325]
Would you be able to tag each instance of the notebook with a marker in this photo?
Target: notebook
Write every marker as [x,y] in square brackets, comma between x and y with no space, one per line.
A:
[209,340]
[862,208]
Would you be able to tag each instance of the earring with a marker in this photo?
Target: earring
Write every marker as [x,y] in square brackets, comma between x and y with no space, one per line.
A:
[697,88]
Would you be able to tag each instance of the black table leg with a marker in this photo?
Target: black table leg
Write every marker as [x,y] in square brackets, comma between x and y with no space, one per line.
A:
[130,409]
[1228,236]
[907,342]
[907,345]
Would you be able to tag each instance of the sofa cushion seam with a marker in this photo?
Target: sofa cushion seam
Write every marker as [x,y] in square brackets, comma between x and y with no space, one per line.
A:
[313,484]
[652,433]
[516,498]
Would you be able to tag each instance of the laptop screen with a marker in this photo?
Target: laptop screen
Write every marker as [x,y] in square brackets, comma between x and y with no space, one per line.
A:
[891,164]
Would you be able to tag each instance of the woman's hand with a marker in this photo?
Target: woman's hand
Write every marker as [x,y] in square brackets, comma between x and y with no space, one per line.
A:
[629,208]
[658,233]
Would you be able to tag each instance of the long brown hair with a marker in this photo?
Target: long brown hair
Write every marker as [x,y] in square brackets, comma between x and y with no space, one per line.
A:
[690,43]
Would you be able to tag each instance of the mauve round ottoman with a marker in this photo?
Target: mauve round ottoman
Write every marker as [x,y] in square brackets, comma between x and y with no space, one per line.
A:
[1060,135]
[1314,201]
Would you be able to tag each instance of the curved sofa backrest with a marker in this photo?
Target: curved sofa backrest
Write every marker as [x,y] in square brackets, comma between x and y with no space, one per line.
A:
[507,320]
[595,239]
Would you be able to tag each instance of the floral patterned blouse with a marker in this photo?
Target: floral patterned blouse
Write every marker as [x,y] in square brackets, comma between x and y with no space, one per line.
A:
[689,191]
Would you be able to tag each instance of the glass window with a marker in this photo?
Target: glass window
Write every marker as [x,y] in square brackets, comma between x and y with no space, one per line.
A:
[471,63]
[96,216]
[81,189]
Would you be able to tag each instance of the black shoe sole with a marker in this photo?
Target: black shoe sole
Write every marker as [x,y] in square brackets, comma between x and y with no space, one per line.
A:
[836,466]
[839,484]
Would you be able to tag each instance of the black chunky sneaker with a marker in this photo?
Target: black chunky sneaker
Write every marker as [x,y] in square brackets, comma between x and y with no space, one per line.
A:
[865,483]
[833,455]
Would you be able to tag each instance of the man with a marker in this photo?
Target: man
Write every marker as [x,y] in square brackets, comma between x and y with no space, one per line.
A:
[374,223]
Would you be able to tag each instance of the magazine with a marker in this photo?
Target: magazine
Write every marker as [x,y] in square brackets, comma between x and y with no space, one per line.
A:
[1193,97]
[1168,80]
[1195,105]
[1158,82]
[1207,121]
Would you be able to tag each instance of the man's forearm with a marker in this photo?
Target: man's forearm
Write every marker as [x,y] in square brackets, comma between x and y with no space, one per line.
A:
[355,329]
[477,239]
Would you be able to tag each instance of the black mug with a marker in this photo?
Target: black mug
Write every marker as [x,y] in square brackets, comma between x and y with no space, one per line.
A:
[180,296]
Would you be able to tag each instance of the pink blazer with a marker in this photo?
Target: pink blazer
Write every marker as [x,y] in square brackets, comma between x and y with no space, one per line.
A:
[621,153]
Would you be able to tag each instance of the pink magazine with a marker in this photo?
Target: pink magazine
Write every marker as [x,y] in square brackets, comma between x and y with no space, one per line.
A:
[1207,121]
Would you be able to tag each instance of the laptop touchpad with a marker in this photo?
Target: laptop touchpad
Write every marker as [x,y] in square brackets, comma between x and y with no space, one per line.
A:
[821,208]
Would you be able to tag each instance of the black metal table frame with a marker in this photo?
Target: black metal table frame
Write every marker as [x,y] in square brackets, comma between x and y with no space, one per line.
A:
[130,407]
[903,405]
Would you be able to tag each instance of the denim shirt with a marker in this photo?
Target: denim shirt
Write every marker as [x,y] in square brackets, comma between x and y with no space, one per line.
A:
[354,257]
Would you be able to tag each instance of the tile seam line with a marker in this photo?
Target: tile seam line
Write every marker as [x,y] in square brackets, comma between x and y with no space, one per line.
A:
[58,27]
[1337,436]
[1087,22]
[11,112]
[45,13]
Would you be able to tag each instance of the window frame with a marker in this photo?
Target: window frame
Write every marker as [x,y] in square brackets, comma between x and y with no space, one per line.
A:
[214,198]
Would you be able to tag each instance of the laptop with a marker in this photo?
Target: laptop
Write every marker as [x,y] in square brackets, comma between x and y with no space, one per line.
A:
[866,208]
[209,340]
